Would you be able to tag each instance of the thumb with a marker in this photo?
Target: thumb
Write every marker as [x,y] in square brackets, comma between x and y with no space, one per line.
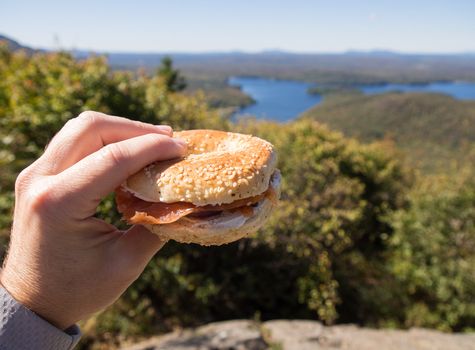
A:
[139,245]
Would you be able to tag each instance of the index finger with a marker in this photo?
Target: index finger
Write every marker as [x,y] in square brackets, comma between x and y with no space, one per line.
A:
[87,133]
[98,174]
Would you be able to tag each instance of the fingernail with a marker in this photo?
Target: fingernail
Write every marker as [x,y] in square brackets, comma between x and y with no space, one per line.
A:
[165,128]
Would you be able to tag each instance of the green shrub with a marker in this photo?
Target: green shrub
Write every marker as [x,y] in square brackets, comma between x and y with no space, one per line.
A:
[434,256]
[337,195]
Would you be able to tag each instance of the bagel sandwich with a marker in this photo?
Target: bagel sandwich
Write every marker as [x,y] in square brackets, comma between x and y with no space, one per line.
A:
[223,189]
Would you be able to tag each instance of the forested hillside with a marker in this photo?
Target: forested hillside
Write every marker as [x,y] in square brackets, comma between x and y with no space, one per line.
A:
[434,131]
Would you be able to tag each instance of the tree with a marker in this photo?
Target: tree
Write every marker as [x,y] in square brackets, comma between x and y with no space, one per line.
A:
[433,255]
[173,80]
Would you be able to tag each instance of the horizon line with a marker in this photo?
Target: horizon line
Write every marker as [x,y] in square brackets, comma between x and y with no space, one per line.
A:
[267,51]
[277,51]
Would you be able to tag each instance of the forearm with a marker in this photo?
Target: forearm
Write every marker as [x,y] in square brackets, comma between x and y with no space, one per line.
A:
[21,328]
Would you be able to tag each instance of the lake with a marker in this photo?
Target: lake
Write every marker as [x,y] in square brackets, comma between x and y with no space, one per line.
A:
[279,100]
[283,100]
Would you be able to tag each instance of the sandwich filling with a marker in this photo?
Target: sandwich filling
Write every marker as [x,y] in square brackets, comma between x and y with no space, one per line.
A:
[139,211]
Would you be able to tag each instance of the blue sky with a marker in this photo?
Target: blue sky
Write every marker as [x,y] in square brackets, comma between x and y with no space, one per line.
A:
[212,25]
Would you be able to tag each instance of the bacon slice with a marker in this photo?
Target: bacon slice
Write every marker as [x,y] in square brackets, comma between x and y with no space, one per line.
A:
[138,211]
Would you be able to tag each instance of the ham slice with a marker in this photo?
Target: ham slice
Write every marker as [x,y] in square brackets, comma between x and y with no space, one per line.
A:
[138,211]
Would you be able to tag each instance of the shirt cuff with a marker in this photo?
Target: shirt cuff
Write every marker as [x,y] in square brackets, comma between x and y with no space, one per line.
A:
[21,328]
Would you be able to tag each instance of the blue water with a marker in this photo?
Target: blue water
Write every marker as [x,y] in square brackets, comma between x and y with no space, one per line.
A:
[280,100]
[283,100]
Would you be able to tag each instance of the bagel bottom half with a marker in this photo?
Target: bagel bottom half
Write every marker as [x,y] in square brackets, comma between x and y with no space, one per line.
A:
[221,229]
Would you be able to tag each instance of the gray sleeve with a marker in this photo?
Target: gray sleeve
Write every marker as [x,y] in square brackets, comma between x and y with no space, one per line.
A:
[21,328]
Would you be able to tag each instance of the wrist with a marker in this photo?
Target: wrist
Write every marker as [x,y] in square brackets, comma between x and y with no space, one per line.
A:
[30,296]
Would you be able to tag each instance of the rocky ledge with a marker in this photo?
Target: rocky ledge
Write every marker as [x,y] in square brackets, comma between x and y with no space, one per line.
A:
[303,335]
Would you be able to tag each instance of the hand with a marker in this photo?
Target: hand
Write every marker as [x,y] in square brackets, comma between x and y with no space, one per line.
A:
[63,263]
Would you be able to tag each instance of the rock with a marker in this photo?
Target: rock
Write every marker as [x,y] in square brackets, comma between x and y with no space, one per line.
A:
[306,335]
[227,335]
[294,334]
[303,335]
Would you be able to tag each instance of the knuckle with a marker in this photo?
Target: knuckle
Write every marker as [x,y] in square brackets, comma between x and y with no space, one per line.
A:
[143,127]
[41,198]
[87,118]
[159,138]
[68,124]
[23,180]
[115,154]
[87,115]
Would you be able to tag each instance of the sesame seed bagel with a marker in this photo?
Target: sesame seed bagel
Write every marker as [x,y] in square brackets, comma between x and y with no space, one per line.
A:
[220,167]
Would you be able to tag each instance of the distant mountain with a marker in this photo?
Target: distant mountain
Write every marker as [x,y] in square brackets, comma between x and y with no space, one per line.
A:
[372,53]
[15,45]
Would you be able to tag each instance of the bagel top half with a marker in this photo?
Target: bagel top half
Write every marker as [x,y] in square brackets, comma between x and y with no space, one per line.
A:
[219,168]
